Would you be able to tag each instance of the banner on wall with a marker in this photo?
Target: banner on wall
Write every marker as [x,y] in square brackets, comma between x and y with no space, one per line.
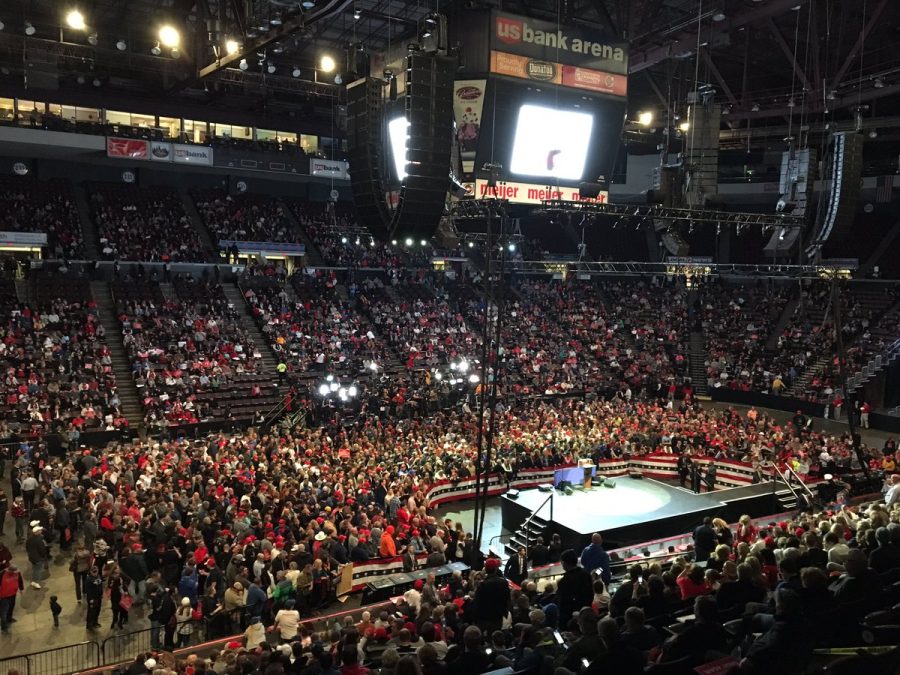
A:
[160,152]
[548,41]
[553,72]
[128,148]
[192,154]
[23,238]
[468,104]
[329,168]
[532,193]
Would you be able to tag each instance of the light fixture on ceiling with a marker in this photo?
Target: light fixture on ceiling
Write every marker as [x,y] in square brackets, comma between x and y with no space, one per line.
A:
[431,19]
[263,26]
[121,45]
[277,49]
[327,64]
[684,126]
[308,4]
[275,21]
[232,47]
[29,28]
[357,14]
[156,50]
[718,16]
[755,107]
[879,83]
[270,68]
[243,65]
[96,81]
[2,25]
[80,79]
[832,95]
[873,133]
[169,36]
[790,103]
[75,20]
[92,39]
[426,33]
[296,72]
[645,118]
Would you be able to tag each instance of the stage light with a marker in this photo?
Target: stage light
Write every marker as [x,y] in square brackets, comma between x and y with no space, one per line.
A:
[155,49]
[393,242]
[426,33]
[512,248]
[296,72]
[232,47]
[330,378]
[96,82]
[684,126]
[343,240]
[357,14]
[334,386]
[308,4]
[327,64]
[463,366]
[342,394]
[423,243]
[169,36]
[275,21]
[471,244]
[29,28]
[75,20]
[121,45]
[645,119]
[438,376]
[92,39]
[243,65]
[408,242]
[270,68]
[352,391]
[373,367]
[718,16]
[473,378]
[324,390]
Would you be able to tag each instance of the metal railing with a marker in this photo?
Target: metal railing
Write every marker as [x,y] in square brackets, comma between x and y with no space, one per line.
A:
[530,518]
[58,661]
[790,473]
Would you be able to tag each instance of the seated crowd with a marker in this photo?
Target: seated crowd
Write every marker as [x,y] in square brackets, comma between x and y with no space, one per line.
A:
[147,224]
[28,205]
[188,353]
[244,217]
[57,369]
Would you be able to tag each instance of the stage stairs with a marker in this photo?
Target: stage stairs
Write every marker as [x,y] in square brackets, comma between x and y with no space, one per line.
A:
[527,535]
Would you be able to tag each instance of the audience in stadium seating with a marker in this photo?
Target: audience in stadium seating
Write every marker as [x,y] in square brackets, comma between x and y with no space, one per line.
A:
[244,217]
[143,224]
[28,205]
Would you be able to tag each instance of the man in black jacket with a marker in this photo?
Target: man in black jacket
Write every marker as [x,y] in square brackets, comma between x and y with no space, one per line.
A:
[575,589]
[540,554]
[492,598]
[134,566]
[93,594]
[517,567]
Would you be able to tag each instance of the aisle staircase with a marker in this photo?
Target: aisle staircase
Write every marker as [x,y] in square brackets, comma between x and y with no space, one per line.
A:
[210,247]
[697,369]
[267,356]
[526,536]
[121,364]
[88,230]
[313,257]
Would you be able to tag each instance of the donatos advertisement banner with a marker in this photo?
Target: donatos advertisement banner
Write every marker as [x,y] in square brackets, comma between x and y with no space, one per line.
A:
[546,41]
[522,67]
[468,105]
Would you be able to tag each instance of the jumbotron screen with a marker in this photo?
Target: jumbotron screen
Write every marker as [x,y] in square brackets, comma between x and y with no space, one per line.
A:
[550,142]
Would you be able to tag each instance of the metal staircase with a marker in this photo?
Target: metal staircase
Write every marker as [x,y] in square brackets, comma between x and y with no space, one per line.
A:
[697,358]
[530,531]
[789,497]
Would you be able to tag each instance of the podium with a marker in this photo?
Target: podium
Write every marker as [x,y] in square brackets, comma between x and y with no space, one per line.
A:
[588,469]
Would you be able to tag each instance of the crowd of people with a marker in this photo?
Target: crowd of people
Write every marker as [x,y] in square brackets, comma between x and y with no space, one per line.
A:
[244,217]
[29,205]
[143,224]
[183,348]
[57,368]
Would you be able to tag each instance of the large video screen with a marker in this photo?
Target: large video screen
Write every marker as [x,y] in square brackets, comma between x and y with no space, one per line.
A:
[398,131]
[549,142]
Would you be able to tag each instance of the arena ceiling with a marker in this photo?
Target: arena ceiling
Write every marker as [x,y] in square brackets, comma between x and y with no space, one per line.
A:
[768,61]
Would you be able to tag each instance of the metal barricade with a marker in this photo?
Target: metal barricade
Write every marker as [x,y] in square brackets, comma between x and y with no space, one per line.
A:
[59,661]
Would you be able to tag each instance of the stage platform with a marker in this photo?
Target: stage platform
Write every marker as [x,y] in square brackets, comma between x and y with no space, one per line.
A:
[635,511]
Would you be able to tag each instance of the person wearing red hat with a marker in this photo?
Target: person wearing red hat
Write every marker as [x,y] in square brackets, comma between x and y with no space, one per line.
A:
[492,598]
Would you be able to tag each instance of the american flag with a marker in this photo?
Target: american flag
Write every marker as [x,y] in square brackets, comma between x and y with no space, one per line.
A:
[884,189]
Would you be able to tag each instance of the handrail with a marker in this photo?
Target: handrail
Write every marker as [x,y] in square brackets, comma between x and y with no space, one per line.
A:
[531,518]
[786,480]
[789,471]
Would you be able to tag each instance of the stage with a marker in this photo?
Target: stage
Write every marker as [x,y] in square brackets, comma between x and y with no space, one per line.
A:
[635,511]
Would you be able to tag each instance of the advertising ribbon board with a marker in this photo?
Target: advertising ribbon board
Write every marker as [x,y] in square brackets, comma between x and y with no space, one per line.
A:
[127,148]
[160,152]
[468,104]
[329,168]
[192,154]
[551,72]
[532,193]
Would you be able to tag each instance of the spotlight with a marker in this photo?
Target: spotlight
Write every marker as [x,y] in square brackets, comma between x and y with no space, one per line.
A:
[463,366]
[75,19]
[408,242]
[308,4]
[92,39]
[96,82]
[232,47]
[473,378]
[338,79]
[330,378]
[324,390]
[393,242]
[327,64]
[342,393]
[343,240]
[155,49]
[352,391]
[29,28]
[121,45]
[334,386]
[270,68]
[243,65]
[295,72]
[275,21]
[169,36]
[718,16]
[426,33]
[277,49]
[512,248]
[373,367]
[357,14]
[471,244]
[684,126]
[438,376]
[424,243]
[431,19]
[645,119]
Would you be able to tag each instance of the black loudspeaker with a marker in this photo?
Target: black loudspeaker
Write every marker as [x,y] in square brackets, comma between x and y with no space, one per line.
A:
[512,493]
[364,144]
[429,110]
[846,173]
[609,483]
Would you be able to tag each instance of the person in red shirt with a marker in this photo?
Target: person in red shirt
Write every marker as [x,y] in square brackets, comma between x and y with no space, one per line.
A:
[692,582]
